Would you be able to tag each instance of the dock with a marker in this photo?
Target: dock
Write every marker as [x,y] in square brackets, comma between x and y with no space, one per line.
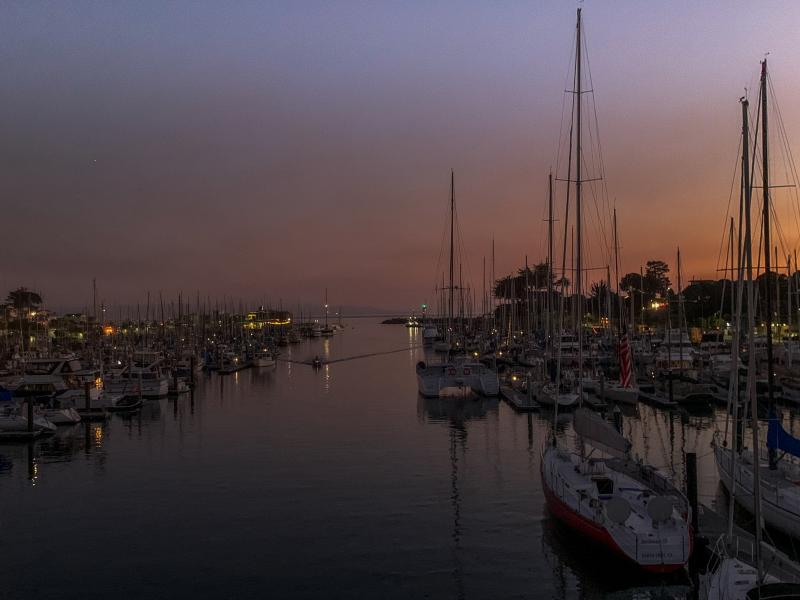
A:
[518,400]
[657,400]
[21,436]
[93,414]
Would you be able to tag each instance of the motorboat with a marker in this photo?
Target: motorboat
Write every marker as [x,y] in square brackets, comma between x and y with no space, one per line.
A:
[143,376]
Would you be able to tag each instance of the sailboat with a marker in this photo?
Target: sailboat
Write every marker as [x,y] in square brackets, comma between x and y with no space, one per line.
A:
[327,330]
[778,479]
[462,372]
[769,492]
[623,505]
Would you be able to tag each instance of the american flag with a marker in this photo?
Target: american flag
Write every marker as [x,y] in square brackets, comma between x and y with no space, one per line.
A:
[625,360]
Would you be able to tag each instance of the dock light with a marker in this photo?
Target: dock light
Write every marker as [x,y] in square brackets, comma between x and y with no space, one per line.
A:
[513,378]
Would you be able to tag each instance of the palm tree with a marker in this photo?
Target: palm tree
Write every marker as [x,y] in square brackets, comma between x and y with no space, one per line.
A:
[22,298]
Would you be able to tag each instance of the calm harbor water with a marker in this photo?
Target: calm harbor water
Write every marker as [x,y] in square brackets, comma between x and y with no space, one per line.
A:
[340,483]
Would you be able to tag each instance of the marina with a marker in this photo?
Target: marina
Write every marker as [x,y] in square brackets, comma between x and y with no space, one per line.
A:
[326,309]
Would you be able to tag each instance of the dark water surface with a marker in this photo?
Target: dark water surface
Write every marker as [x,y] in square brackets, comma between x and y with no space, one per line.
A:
[341,483]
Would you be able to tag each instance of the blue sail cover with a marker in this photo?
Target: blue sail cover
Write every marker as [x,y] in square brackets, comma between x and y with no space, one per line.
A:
[780,439]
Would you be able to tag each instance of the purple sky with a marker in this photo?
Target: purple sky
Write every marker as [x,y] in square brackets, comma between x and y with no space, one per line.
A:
[267,150]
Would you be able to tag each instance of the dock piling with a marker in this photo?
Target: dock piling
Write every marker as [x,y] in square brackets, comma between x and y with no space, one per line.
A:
[691,486]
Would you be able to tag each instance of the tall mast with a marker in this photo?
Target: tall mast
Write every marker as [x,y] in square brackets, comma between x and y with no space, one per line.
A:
[773,458]
[491,290]
[549,332]
[452,217]
[616,271]
[483,297]
[789,303]
[578,272]
[734,400]
[527,302]
[733,281]
[751,388]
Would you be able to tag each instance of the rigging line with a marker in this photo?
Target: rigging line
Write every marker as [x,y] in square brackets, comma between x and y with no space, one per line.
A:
[443,244]
[606,242]
[736,170]
[779,230]
[563,268]
[790,168]
[597,131]
[564,105]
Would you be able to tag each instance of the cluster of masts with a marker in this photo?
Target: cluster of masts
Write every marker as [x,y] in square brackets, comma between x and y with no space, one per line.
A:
[551,359]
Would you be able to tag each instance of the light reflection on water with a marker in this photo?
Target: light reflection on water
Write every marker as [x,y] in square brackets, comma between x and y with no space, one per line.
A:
[291,482]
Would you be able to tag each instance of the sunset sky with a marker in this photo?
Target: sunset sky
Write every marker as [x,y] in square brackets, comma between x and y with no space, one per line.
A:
[268,150]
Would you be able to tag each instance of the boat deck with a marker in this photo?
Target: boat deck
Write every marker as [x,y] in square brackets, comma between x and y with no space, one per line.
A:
[712,525]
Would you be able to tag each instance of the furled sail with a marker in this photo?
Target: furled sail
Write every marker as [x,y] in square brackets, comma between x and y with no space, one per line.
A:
[600,433]
[780,439]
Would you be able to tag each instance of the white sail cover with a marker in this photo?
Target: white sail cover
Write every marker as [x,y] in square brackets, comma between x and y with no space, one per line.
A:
[600,433]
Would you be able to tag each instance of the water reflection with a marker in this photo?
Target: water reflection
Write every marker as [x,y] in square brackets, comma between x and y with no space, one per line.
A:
[385,493]
[456,411]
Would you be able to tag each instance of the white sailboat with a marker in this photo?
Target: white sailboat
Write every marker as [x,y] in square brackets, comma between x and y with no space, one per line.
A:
[327,330]
[625,506]
[768,490]
[454,373]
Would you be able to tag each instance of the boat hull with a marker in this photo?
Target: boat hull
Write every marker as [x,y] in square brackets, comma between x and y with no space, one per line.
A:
[597,533]
[777,506]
